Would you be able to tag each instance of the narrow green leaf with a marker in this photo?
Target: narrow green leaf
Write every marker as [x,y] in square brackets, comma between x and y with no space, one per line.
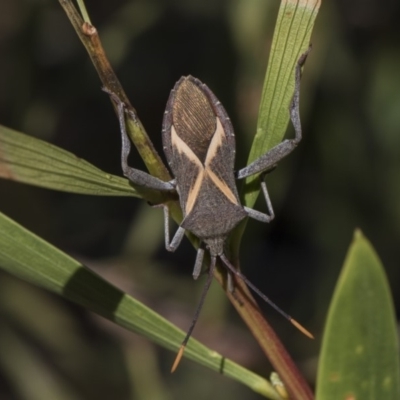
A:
[360,354]
[30,258]
[291,38]
[29,160]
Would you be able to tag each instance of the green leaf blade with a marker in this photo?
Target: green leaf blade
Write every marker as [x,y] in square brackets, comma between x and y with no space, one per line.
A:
[32,259]
[360,356]
[291,38]
[29,160]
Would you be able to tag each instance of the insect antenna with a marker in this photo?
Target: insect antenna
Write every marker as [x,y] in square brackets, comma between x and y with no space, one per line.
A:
[196,315]
[232,269]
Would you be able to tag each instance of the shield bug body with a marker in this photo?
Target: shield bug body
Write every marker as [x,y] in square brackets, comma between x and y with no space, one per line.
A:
[199,145]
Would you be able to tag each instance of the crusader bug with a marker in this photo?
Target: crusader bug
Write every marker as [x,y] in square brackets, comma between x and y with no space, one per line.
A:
[199,145]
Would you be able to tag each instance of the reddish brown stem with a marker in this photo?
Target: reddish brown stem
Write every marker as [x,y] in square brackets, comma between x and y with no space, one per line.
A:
[273,348]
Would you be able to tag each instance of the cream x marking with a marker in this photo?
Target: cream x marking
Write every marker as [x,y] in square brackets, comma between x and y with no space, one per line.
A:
[205,170]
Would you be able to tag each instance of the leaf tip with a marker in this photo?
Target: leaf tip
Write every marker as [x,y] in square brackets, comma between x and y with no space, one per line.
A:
[358,234]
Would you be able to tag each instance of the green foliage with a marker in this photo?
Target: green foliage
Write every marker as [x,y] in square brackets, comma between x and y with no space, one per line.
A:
[360,352]
[34,260]
[28,160]
[359,357]
[291,39]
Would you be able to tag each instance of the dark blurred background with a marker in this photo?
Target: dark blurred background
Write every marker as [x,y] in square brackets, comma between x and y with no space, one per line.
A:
[345,174]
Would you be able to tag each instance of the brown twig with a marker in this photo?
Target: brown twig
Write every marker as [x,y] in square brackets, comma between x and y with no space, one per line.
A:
[90,39]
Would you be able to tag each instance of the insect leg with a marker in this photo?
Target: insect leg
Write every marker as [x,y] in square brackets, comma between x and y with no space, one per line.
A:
[259,216]
[177,239]
[136,176]
[199,262]
[273,156]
